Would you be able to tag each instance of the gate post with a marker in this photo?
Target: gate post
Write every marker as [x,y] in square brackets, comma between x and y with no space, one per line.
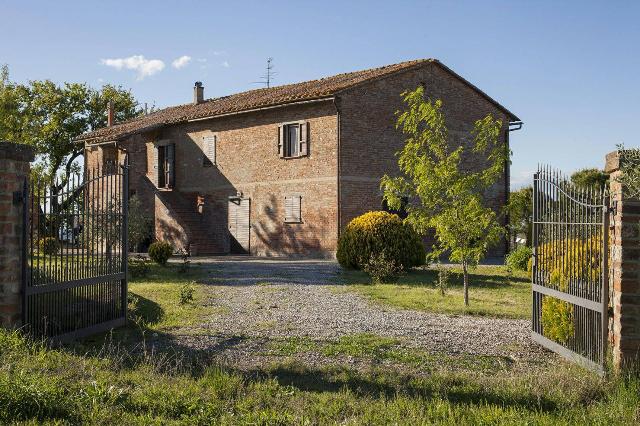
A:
[625,268]
[14,172]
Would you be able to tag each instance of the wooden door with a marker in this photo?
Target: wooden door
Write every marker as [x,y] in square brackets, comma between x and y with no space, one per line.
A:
[239,224]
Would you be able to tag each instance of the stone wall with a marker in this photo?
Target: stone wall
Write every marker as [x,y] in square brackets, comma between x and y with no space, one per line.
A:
[624,268]
[14,168]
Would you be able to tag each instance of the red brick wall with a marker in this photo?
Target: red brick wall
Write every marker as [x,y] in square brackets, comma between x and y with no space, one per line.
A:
[14,167]
[247,163]
[369,139]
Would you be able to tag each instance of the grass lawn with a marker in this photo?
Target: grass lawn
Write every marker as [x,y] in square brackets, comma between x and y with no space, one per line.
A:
[103,383]
[492,292]
[62,386]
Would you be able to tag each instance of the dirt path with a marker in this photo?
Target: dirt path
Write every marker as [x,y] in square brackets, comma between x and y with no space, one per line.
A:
[269,300]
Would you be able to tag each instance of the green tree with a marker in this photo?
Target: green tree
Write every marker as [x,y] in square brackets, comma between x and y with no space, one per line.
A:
[49,117]
[520,209]
[443,195]
[590,179]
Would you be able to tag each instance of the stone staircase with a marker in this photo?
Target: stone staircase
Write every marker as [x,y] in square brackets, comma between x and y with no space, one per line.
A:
[183,208]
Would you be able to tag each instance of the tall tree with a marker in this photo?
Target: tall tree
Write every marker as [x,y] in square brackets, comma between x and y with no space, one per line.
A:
[443,195]
[590,179]
[49,117]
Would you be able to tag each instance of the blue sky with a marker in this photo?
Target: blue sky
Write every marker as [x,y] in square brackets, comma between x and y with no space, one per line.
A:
[569,70]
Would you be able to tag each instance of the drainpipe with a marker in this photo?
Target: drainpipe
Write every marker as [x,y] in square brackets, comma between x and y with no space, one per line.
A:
[336,103]
[513,126]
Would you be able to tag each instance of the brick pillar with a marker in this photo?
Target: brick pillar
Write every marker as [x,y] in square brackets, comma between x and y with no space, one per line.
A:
[625,269]
[14,167]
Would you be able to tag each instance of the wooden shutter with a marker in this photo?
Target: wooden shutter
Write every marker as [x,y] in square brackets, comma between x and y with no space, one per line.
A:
[155,176]
[171,165]
[209,148]
[304,139]
[292,204]
[281,130]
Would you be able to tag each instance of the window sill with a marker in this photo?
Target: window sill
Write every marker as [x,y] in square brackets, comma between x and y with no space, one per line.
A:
[294,221]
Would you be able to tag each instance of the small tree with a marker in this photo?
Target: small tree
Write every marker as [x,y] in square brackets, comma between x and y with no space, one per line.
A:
[520,210]
[444,196]
[140,223]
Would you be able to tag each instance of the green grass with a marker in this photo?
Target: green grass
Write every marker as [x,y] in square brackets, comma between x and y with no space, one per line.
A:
[291,346]
[104,382]
[379,348]
[158,302]
[40,385]
[492,292]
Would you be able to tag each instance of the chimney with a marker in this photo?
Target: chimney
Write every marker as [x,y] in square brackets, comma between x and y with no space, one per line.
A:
[110,114]
[198,93]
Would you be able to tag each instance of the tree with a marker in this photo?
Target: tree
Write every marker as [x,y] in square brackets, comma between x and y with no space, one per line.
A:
[520,209]
[140,224]
[49,117]
[443,196]
[590,179]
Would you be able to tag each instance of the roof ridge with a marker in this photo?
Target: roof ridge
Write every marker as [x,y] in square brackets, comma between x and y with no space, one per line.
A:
[262,97]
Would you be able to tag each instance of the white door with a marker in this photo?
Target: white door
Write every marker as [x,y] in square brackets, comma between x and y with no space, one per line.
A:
[239,224]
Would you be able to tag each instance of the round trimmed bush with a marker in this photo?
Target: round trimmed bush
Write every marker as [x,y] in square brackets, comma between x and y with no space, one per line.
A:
[519,258]
[49,246]
[375,233]
[160,252]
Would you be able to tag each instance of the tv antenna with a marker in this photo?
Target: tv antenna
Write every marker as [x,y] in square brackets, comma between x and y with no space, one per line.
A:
[268,77]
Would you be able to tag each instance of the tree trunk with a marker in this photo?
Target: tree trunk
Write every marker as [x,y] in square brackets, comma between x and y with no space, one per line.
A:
[465,274]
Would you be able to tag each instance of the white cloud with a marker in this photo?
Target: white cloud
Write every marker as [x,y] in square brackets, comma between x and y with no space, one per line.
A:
[219,52]
[181,62]
[143,66]
[225,64]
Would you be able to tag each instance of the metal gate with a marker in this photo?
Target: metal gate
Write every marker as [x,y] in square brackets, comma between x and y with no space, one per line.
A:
[570,268]
[75,256]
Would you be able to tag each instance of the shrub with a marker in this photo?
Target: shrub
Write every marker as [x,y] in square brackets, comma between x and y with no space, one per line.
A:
[374,232]
[138,267]
[49,246]
[160,252]
[557,319]
[519,258]
[381,269]
[186,293]
[140,224]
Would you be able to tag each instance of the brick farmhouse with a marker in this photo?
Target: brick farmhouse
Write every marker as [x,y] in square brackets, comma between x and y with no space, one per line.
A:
[280,171]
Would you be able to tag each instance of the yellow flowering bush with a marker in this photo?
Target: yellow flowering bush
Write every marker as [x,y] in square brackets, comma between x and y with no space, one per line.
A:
[557,319]
[563,263]
[375,233]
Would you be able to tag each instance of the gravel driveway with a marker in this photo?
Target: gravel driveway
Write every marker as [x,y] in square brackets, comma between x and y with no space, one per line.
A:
[261,300]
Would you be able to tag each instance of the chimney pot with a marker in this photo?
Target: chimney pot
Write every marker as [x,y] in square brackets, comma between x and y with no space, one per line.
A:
[198,92]
[110,114]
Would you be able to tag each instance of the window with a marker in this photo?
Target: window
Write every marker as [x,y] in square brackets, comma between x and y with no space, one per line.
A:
[292,209]
[166,166]
[402,213]
[109,159]
[209,149]
[293,140]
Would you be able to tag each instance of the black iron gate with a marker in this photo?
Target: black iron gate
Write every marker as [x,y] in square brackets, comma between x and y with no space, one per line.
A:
[75,256]
[570,268]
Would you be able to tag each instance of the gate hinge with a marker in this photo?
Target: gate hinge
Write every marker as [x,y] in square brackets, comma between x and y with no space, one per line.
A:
[18,197]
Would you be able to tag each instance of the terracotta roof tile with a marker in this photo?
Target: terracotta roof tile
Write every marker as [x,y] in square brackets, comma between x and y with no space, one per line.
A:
[260,98]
